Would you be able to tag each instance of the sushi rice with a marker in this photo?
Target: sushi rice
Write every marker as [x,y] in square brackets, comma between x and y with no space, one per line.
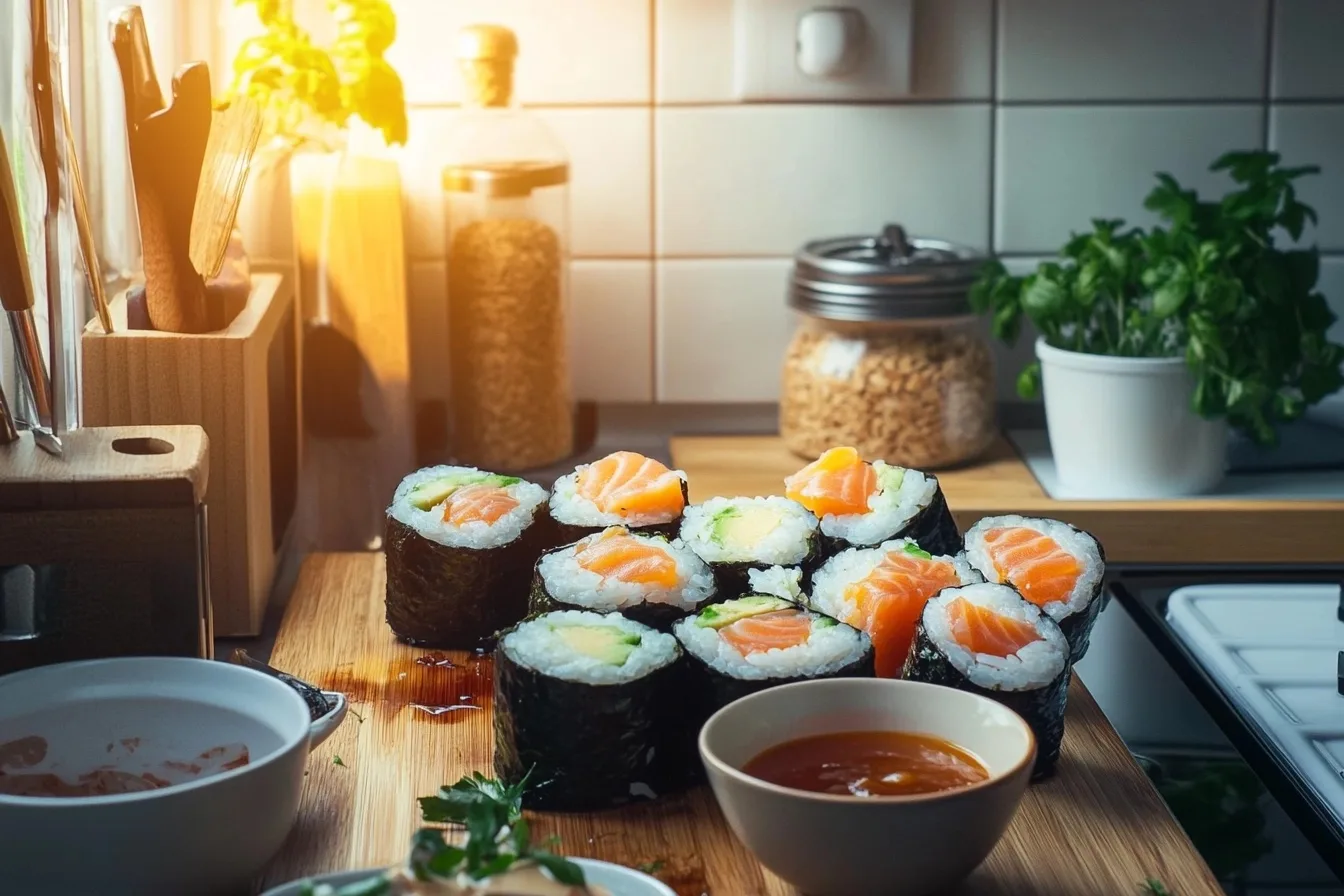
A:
[833,578]
[1079,544]
[534,645]
[779,581]
[568,582]
[476,534]
[831,647]
[1032,667]
[788,543]
[901,495]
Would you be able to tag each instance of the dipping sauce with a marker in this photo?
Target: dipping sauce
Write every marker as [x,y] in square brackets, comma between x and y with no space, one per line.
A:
[868,764]
[24,771]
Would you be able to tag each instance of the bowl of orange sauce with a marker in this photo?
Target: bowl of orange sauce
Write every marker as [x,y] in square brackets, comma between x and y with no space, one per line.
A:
[860,786]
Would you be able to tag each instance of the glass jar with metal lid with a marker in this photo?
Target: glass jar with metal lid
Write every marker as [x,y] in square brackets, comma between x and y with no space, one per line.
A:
[888,356]
[506,206]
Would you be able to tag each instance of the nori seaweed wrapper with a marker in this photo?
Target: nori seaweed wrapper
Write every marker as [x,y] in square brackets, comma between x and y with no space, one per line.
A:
[559,534]
[653,614]
[1042,708]
[733,580]
[455,598]
[587,747]
[933,529]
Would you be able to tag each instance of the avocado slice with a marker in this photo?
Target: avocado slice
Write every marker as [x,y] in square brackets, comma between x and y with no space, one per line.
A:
[604,643]
[915,550]
[719,615]
[743,525]
[433,492]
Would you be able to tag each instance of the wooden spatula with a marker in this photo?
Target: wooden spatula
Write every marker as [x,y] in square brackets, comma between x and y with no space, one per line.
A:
[228,155]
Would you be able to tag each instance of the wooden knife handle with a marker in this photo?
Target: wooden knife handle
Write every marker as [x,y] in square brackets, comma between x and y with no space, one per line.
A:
[167,149]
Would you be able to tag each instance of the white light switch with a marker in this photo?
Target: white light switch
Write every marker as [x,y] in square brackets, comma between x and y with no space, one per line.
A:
[810,50]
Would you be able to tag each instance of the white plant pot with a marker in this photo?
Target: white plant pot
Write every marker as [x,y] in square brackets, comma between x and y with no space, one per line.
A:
[1123,427]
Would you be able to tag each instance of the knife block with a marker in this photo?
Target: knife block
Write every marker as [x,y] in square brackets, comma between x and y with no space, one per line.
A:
[240,385]
[102,550]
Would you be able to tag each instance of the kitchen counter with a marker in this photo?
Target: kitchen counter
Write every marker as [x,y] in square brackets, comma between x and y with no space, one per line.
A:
[1098,828]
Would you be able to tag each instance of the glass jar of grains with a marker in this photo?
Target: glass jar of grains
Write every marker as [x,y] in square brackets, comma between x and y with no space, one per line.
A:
[506,205]
[888,356]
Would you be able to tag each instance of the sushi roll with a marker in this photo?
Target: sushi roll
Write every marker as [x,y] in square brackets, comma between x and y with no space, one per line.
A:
[583,704]
[460,546]
[863,504]
[883,590]
[737,535]
[987,639]
[646,577]
[621,489]
[1055,566]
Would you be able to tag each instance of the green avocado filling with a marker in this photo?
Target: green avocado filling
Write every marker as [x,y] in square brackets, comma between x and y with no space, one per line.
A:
[915,550]
[603,643]
[433,492]
[742,526]
[730,611]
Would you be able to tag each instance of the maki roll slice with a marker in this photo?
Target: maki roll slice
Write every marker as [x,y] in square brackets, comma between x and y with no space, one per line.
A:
[622,489]
[987,639]
[646,577]
[883,590]
[1055,566]
[737,535]
[583,703]
[863,504]
[460,546]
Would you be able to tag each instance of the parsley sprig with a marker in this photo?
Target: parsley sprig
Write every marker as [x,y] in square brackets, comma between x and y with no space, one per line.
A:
[497,838]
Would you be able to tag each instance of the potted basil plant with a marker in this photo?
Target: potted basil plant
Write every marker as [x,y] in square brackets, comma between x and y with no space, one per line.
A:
[1154,342]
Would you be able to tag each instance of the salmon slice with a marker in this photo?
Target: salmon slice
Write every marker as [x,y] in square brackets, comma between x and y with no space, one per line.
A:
[981,630]
[615,553]
[889,600]
[630,483]
[1033,563]
[838,483]
[769,631]
[477,504]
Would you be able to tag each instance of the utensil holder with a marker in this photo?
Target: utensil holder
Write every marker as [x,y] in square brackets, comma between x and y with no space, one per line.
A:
[103,550]
[240,385]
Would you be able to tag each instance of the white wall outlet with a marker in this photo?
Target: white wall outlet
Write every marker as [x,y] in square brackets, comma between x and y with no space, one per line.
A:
[809,50]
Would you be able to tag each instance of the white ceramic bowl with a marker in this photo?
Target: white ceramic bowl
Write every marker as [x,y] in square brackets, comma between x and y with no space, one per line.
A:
[201,837]
[621,881]
[831,845]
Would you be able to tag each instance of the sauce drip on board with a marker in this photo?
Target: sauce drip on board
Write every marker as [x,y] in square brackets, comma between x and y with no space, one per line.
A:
[868,764]
[439,686]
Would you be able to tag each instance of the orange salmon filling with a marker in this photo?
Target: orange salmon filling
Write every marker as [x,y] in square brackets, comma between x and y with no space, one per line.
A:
[888,603]
[1033,563]
[630,483]
[477,503]
[615,553]
[769,631]
[981,630]
[837,483]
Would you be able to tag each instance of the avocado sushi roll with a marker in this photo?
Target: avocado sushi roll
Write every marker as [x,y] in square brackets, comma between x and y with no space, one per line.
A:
[1053,565]
[737,535]
[863,504]
[883,590]
[584,704]
[460,546]
[985,638]
[646,577]
[622,489]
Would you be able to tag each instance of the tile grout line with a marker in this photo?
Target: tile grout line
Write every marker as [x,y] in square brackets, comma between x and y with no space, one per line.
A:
[993,203]
[1159,102]
[654,324]
[1271,8]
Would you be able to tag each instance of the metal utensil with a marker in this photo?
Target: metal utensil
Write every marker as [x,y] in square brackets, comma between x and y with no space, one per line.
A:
[9,433]
[319,702]
[16,295]
[51,149]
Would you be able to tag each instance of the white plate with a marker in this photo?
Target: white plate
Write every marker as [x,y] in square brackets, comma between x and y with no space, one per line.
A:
[621,881]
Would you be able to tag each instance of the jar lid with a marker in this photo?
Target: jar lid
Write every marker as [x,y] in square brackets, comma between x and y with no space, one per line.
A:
[888,277]
[504,179]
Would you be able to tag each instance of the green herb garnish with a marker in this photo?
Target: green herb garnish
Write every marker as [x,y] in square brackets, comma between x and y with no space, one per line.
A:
[1208,285]
[359,718]
[651,867]
[337,760]
[1154,887]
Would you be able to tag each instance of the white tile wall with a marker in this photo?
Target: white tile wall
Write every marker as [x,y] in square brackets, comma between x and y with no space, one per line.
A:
[1027,118]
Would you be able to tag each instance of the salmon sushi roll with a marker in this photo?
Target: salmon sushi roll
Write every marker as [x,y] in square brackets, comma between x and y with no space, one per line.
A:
[1055,566]
[738,535]
[622,489]
[645,577]
[862,504]
[460,543]
[883,590]
[985,638]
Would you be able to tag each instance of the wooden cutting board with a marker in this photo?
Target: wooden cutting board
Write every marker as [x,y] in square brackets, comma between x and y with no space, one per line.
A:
[1097,829]
[1188,531]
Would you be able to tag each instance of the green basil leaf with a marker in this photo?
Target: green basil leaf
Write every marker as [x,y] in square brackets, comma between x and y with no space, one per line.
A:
[1042,297]
[447,861]
[1170,296]
[1029,380]
[562,869]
